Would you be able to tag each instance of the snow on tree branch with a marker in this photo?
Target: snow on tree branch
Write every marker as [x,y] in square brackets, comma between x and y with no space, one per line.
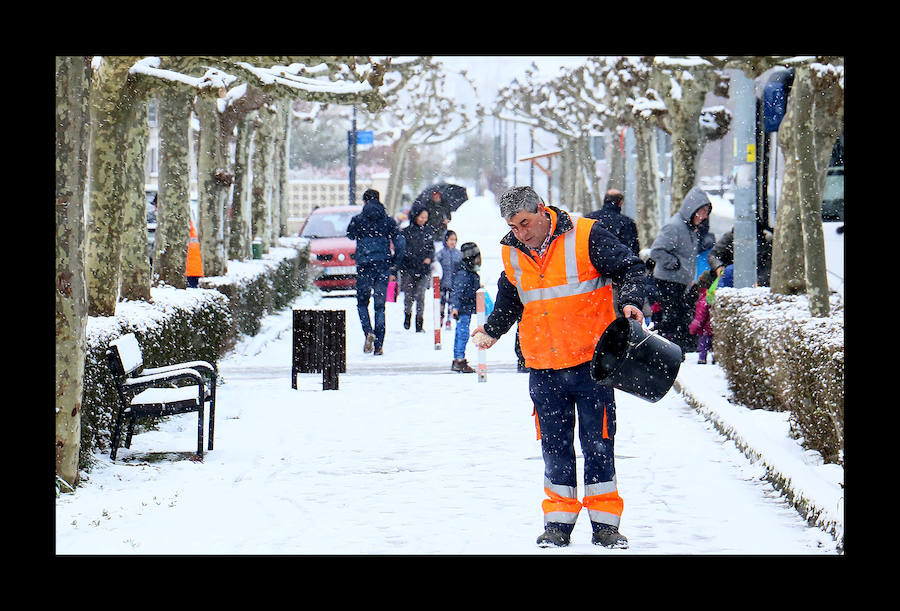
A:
[212,79]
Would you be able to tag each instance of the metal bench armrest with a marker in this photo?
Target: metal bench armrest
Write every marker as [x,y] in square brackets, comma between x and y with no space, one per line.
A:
[201,365]
[141,382]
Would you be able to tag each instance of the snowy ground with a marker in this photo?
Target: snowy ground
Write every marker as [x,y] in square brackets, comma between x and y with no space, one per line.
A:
[408,457]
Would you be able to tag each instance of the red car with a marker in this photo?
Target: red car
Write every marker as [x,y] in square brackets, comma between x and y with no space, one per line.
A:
[332,255]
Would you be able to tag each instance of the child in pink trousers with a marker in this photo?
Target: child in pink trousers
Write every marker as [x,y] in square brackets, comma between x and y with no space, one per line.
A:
[701,325]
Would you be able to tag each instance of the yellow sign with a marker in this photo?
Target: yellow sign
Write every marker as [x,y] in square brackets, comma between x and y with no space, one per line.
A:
[751,153]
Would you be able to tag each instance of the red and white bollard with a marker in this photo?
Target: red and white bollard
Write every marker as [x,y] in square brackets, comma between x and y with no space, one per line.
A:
[436,281]
[482,356]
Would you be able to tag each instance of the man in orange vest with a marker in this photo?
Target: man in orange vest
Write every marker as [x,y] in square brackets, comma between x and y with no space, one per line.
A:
[558,276]
[194,269]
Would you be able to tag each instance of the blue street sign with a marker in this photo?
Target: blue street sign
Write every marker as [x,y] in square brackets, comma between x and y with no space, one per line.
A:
[364,138]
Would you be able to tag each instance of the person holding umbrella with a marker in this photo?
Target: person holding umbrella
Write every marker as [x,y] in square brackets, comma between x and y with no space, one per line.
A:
[439,215]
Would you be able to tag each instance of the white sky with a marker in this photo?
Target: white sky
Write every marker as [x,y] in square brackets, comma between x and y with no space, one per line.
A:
[491,72]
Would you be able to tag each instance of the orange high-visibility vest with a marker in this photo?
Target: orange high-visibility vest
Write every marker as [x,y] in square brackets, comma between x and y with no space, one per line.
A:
[567,302]
[194,259]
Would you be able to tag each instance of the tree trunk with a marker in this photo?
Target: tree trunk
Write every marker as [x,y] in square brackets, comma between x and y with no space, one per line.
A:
[685,152]
[811,124]
[263,151]
[616,159]
[173,199]
[394,196]
[240,236]
[104,225]
[647,178]
[788,275]
[72,137]
[134,260]
[214,181]
[568,191]
[589,168]
[281,154]
[821,106]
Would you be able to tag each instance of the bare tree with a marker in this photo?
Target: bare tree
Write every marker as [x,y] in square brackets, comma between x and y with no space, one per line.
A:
[420,110]
[813,121]
[633,103]
[113,97]
[570,107]
[682,83]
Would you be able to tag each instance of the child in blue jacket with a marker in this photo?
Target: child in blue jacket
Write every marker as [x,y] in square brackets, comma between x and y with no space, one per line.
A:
[466,283]
[451,260]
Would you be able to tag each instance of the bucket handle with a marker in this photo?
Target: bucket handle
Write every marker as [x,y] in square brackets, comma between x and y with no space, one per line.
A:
[646,336]
[640,342]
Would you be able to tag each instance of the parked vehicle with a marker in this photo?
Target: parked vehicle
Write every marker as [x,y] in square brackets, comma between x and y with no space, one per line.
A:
[332,255]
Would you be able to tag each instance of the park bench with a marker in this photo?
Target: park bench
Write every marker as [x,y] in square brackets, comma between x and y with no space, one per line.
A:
[153,391]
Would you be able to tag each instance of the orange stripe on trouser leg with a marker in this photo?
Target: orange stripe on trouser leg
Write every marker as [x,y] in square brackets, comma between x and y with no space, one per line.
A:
[605,430]
[559,503]
[610,502]
[537,424]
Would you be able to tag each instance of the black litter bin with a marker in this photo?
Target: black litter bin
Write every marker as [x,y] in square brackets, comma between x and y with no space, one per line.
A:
[319,345]
[632,359]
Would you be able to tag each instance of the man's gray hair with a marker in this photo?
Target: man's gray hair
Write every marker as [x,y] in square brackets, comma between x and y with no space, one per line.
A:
[517,199]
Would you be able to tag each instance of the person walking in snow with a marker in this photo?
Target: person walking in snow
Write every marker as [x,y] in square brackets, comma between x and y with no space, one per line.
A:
[439,215]
[416,266]
[450,260]
[558,277]
[675,254]
[701,325]
[466,283]
[374,232]
[614,221]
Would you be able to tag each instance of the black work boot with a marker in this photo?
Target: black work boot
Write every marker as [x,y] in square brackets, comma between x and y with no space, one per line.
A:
[608,536]
[407,318]
[420,325]
[553,536]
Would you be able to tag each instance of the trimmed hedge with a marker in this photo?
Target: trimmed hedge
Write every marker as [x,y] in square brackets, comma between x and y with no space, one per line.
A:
[181,325]
[777,357]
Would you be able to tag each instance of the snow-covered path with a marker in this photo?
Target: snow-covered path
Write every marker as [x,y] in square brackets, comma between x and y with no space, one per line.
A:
[408,457]
[410,462]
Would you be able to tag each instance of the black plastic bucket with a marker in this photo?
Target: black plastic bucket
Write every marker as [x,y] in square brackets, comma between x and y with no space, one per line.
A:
[632,359]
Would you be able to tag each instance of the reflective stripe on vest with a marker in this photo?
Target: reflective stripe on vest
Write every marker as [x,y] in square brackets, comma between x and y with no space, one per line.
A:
[562,286]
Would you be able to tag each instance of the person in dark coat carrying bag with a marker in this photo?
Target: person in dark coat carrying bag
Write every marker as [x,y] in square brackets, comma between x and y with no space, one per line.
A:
[374,232]
[558,277]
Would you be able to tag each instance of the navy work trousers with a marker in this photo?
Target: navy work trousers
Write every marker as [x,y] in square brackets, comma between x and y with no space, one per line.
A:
[557,394]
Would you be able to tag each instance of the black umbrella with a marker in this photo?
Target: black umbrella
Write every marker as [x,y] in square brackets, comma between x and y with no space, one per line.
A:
[455,195]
